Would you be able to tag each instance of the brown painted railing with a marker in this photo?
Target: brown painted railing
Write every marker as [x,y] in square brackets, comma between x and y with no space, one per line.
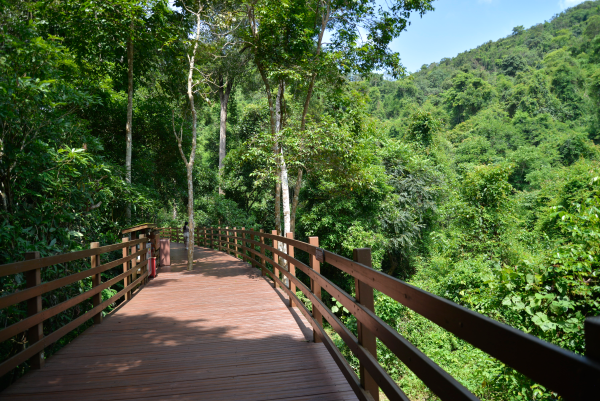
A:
[573,376]
[172,233]
[36,316]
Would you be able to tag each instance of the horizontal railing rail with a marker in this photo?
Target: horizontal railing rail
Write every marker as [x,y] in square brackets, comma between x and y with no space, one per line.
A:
[36,315]
[174,234]
[26,265]
[573,376]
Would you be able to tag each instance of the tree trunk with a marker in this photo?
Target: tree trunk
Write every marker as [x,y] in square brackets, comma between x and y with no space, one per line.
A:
[190,164]
[274,124]
[277,191]
[282,177]
[295,201]
[129,123]
[224,91]
[283,172]
[190,183]
[285,195]
[4,201]
[277,155]
[6,194]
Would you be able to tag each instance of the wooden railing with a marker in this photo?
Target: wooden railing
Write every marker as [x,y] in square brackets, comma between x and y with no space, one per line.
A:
[573,376]
[172,233]
[36,315]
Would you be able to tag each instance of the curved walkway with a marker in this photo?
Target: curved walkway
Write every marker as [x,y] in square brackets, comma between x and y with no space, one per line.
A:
[218,332]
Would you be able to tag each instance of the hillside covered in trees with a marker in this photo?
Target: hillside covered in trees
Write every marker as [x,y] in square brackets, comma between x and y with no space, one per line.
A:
[502,146]
[475,178]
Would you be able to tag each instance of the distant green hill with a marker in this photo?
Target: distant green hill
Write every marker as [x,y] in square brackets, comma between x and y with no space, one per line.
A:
[538,88]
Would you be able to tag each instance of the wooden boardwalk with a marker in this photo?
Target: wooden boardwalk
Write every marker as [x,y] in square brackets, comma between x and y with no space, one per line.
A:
[219,332]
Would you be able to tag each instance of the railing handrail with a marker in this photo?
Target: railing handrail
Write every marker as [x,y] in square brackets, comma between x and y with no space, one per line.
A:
[26,265]
[567,373]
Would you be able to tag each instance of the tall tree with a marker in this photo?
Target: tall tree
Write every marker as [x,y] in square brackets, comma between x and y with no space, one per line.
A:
[191,91]
[215,23]
[129,123]
[224,90]
[287,41]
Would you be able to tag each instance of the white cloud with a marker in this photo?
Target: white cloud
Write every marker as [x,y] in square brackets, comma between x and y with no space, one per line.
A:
[564,4]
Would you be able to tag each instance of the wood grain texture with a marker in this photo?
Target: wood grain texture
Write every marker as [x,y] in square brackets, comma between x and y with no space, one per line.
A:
[218,332]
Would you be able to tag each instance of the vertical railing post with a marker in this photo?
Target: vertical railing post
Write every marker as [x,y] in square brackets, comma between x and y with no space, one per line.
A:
[96,281]
[227,246]
[275,257]
[142,258]
[224,239]
[34,305]
[262,250]
[133,261]
[157,248]
[235,247]
[365,296]
[291,268]
[592,337]
[243,246]
[235,242]
[127,278]
[315,288]
[219,237]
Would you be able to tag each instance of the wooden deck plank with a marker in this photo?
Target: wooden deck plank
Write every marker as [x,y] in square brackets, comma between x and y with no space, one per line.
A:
[218,332]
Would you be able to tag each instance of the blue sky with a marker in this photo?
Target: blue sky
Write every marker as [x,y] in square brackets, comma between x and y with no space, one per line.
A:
[459,25]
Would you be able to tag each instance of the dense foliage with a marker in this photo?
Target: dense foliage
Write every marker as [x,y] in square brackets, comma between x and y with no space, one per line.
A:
[509,130]
[475,178]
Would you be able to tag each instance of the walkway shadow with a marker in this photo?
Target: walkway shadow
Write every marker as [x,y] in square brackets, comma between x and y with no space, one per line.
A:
[152,356]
